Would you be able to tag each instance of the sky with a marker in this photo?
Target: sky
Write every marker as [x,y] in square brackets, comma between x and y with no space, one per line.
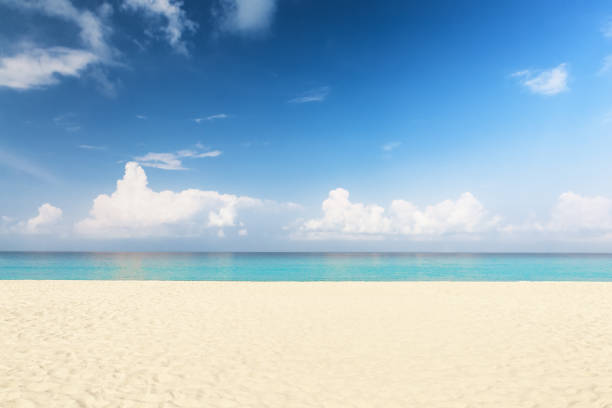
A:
[304,125]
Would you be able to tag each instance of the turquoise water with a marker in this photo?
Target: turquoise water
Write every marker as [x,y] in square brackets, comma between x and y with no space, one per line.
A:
[306,266]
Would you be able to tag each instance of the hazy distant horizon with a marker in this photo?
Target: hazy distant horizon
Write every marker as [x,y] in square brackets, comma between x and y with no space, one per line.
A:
[348,253]
[303,266]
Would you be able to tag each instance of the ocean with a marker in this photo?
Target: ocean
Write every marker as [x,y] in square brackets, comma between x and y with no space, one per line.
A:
[305,266]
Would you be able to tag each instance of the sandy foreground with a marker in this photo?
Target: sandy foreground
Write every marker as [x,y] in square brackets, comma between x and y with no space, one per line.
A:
[209,344]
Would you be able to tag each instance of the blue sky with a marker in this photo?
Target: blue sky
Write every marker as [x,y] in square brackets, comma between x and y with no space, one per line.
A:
[305,125]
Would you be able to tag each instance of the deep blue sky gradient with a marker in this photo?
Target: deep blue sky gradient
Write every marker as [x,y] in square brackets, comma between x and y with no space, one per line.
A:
[433,76]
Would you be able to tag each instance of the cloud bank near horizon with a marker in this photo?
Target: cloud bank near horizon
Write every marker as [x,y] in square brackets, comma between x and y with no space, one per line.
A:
[135,210]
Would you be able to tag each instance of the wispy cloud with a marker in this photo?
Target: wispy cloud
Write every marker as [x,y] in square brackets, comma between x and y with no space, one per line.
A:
[38,67]
[177,23]
[606,65]
[105,85]
[314,95]
[91,147]
[387,147]
[93,30]
[23,165]
[547,82]
[68,122]
[33,67]
[174,160]
[244,16]
[211,117]
[141,117]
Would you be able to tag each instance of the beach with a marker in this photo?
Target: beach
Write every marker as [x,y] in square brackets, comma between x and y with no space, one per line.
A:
[305,344]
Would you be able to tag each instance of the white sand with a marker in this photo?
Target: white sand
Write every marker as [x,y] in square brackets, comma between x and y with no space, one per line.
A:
[164,344]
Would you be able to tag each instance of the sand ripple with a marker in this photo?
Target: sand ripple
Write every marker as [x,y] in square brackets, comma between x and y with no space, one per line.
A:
[174,344]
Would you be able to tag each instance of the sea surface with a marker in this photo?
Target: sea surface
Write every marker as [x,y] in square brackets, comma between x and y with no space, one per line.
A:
[306,266]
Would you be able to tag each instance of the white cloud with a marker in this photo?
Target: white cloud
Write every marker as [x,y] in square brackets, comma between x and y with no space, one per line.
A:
[314,95]
[245,16]
[243,232]
[91,147]
[217,116]
[36,68]
[342,216]
[464,215]
[576,213]
[212,117]
[573,217]
[93,31]
[346,220]
[135,210]
[166,161]
[141,117]
[172,11]
[173,161]
[549,82]
[104,84]
[45,222]
[387,147]
[48,215]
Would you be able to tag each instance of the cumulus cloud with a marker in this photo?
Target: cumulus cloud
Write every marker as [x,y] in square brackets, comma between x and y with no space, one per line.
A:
[342,216]
[135,210]
[548,82]
[576,213]
[43,223]
[177,23]
[573,217]
[244,16]
[48,215]
[36,68]
[173,161]
[345,219]
[314,95]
